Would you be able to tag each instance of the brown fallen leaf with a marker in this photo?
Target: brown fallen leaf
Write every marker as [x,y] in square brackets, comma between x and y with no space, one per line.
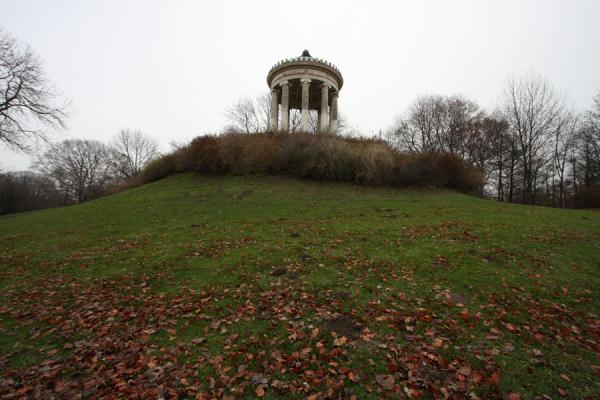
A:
[565,377]
[260,390]
[199,340]
[352,376]
[339,341]
[385,381]
[494,379]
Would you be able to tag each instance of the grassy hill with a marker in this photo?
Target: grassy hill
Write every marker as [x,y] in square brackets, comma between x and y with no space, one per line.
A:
[272,287]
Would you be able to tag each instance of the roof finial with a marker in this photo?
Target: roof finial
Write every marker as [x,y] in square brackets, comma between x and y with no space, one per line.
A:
[305,53]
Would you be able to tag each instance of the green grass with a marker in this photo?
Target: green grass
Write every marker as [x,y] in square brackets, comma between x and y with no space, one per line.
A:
[142,273]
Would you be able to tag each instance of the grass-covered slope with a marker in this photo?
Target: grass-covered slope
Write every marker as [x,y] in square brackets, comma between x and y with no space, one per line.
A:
[271,287]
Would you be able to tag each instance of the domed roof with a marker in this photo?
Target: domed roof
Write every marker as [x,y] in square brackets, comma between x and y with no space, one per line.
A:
[306,58]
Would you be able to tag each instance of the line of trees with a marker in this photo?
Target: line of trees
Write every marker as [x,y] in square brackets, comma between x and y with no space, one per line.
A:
[70,171]
[533,149]
[76,170]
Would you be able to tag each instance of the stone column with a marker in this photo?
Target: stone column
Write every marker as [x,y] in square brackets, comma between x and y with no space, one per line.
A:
[304,122]
[285,106]
[333,116]
[274,110]
[324,115]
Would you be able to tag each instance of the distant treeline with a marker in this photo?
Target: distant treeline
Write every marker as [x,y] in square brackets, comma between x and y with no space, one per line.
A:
[76,170]
[532,149]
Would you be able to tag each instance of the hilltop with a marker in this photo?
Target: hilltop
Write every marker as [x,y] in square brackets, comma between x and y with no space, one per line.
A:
[273,287]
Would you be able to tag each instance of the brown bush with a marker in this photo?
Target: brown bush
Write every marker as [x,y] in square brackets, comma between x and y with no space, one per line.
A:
[323,157]
[377,164]
[159,168]
[587,197]
[297,154]
[201,155]
[438,170]
[243,154]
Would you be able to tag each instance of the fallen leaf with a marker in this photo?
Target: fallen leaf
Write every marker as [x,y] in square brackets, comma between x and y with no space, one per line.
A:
[385,381]
[199,340]
[339,341]
[260,390]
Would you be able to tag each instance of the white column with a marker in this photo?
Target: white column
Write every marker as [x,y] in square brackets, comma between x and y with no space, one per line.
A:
[304,122]
[285,106]
[333,116]
[324,117]
[274,110]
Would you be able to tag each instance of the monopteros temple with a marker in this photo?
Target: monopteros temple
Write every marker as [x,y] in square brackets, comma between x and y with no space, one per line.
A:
[305,83]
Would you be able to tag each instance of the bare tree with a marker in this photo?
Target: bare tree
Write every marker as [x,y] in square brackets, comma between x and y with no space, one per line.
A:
[262,105]
[462,135]
[81,168]
[437,124]
[132,151]
[564,139]
[494,129]
[244,116]
[25,191]
[254,115]
[532,109]
[28,101]
[296,121]
[415,132]
[586,154]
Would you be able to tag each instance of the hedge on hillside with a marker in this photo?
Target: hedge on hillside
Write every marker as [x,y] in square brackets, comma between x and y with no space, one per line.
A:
[322,157]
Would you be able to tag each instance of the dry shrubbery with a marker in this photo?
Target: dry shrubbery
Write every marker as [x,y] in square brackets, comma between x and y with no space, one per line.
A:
[323,157]
[587,197]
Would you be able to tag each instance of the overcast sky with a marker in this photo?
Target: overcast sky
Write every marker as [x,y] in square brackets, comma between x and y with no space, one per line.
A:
[170,68]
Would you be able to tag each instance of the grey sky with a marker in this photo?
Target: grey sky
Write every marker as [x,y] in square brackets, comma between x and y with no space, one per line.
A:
[170,68]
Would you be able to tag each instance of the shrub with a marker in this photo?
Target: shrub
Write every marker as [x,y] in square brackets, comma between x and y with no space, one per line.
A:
[324,157]
[160,168]
[201,155]
[297,154]
[376,164]
[243,154]
[587,197]
[439,170]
